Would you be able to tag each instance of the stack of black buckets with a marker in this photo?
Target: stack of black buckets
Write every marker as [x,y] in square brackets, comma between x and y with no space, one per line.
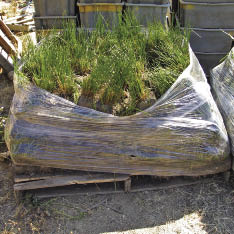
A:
[146,11]
[52,13]
[212,25]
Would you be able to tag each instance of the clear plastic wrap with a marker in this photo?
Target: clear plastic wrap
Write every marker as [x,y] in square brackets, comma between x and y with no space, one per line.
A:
[181,134]
[222,82]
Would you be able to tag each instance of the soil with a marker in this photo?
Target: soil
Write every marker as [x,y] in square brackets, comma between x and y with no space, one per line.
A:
[118,109]
[201,208]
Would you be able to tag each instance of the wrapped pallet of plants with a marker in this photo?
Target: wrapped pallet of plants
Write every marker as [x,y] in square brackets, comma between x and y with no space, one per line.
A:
[121,101]
[222,82]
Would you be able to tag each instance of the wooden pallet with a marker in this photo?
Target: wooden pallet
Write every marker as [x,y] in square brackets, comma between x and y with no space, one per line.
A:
[45,183]
[35,179]
[9,46]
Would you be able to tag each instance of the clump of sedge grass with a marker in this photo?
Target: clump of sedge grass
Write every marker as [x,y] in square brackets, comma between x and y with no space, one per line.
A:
[167,56]
[113,62]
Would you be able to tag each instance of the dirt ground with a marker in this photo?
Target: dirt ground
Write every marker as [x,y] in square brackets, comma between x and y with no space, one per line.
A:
[201,208]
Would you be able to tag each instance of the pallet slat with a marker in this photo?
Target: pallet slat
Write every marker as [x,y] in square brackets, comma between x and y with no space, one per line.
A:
[9,34]
[69,180]
[4,43]
[67,191]
[19,28]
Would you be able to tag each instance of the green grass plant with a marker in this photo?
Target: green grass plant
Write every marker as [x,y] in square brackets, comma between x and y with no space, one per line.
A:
[123,60]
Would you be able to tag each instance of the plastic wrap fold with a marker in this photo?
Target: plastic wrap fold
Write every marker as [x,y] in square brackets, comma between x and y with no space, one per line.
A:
[222,82]
[181,134]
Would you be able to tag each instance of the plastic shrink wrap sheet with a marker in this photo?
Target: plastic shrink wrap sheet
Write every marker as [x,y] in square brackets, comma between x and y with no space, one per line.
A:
[181,134]
[222,82]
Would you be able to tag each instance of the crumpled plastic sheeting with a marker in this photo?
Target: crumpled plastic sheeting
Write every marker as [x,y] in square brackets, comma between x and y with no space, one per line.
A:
[181,134]
[222,82]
